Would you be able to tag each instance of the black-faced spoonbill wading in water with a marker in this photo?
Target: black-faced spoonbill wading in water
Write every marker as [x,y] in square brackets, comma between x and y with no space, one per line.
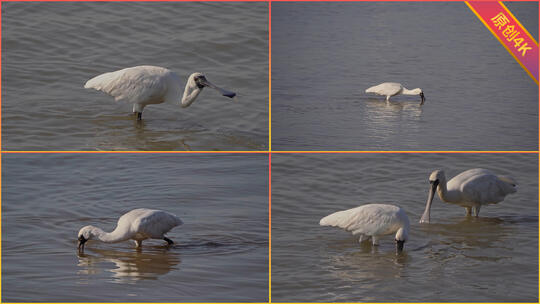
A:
[372,220]
[470,189]
[137,225]
[390,89]
[144,85]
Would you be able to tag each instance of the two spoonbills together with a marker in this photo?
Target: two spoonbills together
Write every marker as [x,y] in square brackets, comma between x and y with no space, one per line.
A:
[144,85]
[137,225]
[390,89]
[372,220]
[470,189]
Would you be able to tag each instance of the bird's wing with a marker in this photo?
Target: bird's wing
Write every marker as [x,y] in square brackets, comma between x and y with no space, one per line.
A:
[486,188]
[373,219]
[387,88]
[132,85]
[156,223]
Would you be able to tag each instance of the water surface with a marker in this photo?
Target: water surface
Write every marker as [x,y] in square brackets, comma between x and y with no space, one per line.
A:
[220,252]
[493,258]
[49,50]
[324,56]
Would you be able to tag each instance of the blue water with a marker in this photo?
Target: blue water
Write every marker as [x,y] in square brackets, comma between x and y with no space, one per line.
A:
[220,252]
[49,50]
[324,56]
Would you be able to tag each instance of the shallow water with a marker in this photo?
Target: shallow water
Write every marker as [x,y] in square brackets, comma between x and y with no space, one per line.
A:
[493,258]
[324,56]
[49,50]
[220,252]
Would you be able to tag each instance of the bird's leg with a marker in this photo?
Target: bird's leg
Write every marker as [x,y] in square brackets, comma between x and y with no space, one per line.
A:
[468,210]
[139,115]
[138,243]
[361,239]
[375,240]
[476,210]
[169,242]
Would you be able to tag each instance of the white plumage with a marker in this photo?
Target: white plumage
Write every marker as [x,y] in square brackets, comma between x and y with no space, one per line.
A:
[390,89]
[145,85]
[470,189]
[137,225]
[372,220]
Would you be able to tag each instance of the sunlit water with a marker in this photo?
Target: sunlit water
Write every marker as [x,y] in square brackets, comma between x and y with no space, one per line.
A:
[324,56]
[220,253]
[493,258]
[49,50]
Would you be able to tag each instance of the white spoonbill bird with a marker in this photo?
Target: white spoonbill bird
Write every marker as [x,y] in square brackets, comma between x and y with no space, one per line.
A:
[137,225]
[144,85]
[389,89]
[372,220]
[470,189]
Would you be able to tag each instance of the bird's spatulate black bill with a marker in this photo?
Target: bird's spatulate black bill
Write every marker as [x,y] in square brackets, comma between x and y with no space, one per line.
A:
[423,98]
[399,246]
[220,90]
[228,94]
[432,190]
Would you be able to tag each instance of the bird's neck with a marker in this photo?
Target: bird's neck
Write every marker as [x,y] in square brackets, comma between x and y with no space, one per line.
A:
[449,196]
[110,237]
[403,232]
[409,92]
[190,94]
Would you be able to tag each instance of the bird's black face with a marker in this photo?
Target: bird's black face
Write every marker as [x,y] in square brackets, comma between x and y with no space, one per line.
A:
[423,98]
[80,243]
[399,246]
[200,81]
[434,184]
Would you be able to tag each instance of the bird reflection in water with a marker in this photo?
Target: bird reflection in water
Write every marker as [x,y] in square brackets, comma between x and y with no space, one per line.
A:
[128,267]
[472,230]
[469,239]
[367,265]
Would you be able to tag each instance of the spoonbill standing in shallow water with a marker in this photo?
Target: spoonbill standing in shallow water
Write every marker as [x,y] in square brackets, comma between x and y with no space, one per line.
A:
[137,225]
[470,189]
[389,89]
[144,85]
[372,220]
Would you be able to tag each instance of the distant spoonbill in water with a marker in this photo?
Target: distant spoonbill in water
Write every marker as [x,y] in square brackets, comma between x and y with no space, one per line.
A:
[144,85]
[372,220]
[137,225]
[389,89]
[470,189]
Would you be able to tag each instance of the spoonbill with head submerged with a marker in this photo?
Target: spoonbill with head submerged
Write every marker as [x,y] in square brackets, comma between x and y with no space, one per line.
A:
[389,89]
[144,85]
[137,225]
[372,220]
[470,189]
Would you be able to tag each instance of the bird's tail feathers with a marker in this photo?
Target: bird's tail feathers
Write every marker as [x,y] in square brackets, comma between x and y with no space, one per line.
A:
[370,90]
[100,82]
[94,83]
[337,219]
